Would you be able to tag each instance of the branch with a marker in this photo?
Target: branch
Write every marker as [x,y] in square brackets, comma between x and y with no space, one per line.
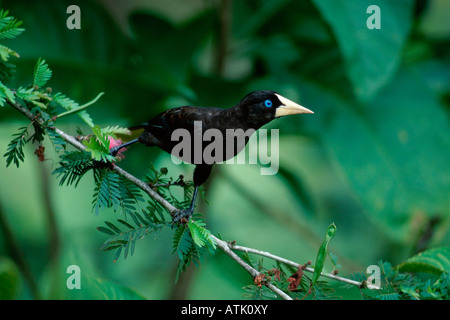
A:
[223,245]
[77,144]
[294,264]
[253,272]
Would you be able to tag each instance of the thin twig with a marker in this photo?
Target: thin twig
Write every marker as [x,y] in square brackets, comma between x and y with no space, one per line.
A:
[253,272]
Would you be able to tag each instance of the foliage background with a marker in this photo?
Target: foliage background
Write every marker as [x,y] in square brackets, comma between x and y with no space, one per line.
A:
[373,158]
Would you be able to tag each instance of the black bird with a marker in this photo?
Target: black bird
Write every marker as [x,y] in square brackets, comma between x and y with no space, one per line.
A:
[252,112]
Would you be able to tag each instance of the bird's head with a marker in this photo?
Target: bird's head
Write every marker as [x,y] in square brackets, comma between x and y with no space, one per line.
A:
[264,106]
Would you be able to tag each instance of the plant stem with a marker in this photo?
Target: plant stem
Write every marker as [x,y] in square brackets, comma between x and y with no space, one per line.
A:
[225,247]
[294,264]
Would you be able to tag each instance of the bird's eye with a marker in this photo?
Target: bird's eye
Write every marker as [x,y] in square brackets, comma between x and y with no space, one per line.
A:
[268,103]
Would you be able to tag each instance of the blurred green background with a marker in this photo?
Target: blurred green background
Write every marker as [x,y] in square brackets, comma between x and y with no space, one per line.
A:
[373,159]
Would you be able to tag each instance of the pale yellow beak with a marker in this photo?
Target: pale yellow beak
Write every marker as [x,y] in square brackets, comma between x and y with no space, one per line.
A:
[289,107]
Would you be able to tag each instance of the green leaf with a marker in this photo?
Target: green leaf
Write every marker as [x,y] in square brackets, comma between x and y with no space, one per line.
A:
[390,150]
[107,193]
[42,73]
[125,223]
[58,142]
[113,130]
[98,145]
[105,230]
[5,93]
[9,26]
[73,166]
[372,56]
[65,102]
[5,52]
[15,152]
[33,96]
[197,233]
[80,108]
[113,227]
[103,139]
[180,243]
[434,261]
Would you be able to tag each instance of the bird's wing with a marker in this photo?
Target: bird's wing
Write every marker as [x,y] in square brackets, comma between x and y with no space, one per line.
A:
[183,118]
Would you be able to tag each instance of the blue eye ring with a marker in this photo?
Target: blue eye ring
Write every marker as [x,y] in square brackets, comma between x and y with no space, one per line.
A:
[268,103]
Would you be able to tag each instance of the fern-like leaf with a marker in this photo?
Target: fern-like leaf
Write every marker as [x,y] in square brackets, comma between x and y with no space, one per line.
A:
[9,26]
[181,243]
[114,130]
[107,191]
[14,152]
[68,104]
[6,71]
[98,146]
[35,97]
[5,93]
[42,73]
[200,235]
[125,241]
[58,142]
[6,52]
[73,166]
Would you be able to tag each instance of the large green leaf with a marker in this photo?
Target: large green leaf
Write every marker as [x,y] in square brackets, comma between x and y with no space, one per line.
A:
[371,56]
[435,261]
[393,152]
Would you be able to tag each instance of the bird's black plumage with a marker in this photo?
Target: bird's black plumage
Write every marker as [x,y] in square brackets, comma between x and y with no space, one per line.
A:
[252,112]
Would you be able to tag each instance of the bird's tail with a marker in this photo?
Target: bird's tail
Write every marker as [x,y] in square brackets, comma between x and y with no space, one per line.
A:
[135,132]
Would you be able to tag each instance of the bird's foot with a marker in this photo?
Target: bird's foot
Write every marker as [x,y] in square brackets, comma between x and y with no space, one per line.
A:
[113,151]
[182,216]
[117,147]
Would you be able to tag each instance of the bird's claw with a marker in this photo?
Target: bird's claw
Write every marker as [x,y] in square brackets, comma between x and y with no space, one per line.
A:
[182,216]
[114,150]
